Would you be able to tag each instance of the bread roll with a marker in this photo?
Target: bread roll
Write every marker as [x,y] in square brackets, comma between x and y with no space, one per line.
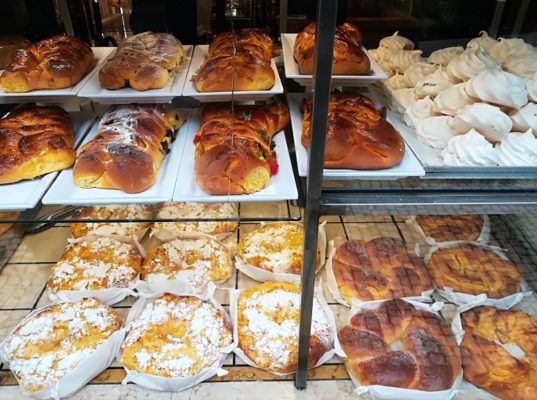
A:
[35,141]
[127,149]
[9,44]
[55,63]
[446,228]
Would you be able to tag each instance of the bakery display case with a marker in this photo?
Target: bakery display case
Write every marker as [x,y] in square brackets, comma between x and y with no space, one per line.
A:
[344,207]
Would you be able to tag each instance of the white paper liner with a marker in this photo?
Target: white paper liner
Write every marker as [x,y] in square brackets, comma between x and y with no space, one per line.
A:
[472,392]
[481,299]
[233,299]
[154,382]
[148,290]
[262,275]
[109,232]
[483,238]
[165,235]
[333,288]
[393,393]
[89,368]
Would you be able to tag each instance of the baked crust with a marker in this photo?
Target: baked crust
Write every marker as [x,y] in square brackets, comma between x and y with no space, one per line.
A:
[445,228]
[95,264]
[176,337]
[35,141]
[144,61]
[54,341]
[128,148]
[268,316]
[428,360]
[194,260]
[54,63]
[358,135]
[378,269]
[474,270]
[489,365]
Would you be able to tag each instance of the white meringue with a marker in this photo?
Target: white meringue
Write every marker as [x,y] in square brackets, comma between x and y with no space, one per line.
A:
[531,87]
[525,118]
[470,63]
[522,67]
[498,87]
[452,99]
[421,109]
[483,41]
[507,49]
[396,42]
[488,120]
[470,149]
[402,99]
[444,56]
[433,84]
[397,81]
[417,71]
[437,131]
[403,59]
[518,149]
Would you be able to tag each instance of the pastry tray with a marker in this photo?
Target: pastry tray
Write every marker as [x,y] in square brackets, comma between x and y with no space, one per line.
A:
[431,158]
[58,95]
[64,191]
[200,52]
[376,73]
[282,185]
[26,194]
[409,166]
[127,95]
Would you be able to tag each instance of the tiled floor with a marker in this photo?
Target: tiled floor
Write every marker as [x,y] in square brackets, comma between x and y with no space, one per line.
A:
[22,289]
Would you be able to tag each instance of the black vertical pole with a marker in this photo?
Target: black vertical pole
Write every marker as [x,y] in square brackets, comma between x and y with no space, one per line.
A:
[324,47]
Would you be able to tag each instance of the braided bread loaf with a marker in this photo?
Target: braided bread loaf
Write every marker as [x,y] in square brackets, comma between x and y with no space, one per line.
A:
[378,269]
[54,63]
[349,58]
[428,360]
[486,361]
[445,228]
[237,62]
[474,270]
[144,61]
[358,135]
[127,149]
[34,142]
[234,148]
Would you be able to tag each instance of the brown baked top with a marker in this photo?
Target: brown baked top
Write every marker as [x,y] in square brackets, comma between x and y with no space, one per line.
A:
[444,228]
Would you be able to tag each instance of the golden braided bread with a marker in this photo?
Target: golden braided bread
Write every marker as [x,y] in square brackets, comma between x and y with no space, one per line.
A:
[444,228]
[54,63]
[488,364]
[428,360]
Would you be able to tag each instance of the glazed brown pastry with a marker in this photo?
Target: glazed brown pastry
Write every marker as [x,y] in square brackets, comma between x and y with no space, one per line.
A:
[237,62]
[349,58]
[35,141]
[8,46]
[55,63]
[144,61]
[474,270]
[444,228]
[128,148]
[488,364]
[358,135]
[429,358]
[378,269]
[234,148]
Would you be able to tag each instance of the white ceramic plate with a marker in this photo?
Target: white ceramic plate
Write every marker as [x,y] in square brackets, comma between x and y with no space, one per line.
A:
[58,95]
[410,166]
[282,185]
[94,91]
[200,53]
[291,68]
[26,194]
[64,190]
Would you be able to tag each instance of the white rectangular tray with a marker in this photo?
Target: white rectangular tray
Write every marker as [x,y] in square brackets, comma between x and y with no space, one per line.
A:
[64,191]
[26,194]
[282,185]
[58,95]
[409,166]
[291,68]
[200,52]
[127,95]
